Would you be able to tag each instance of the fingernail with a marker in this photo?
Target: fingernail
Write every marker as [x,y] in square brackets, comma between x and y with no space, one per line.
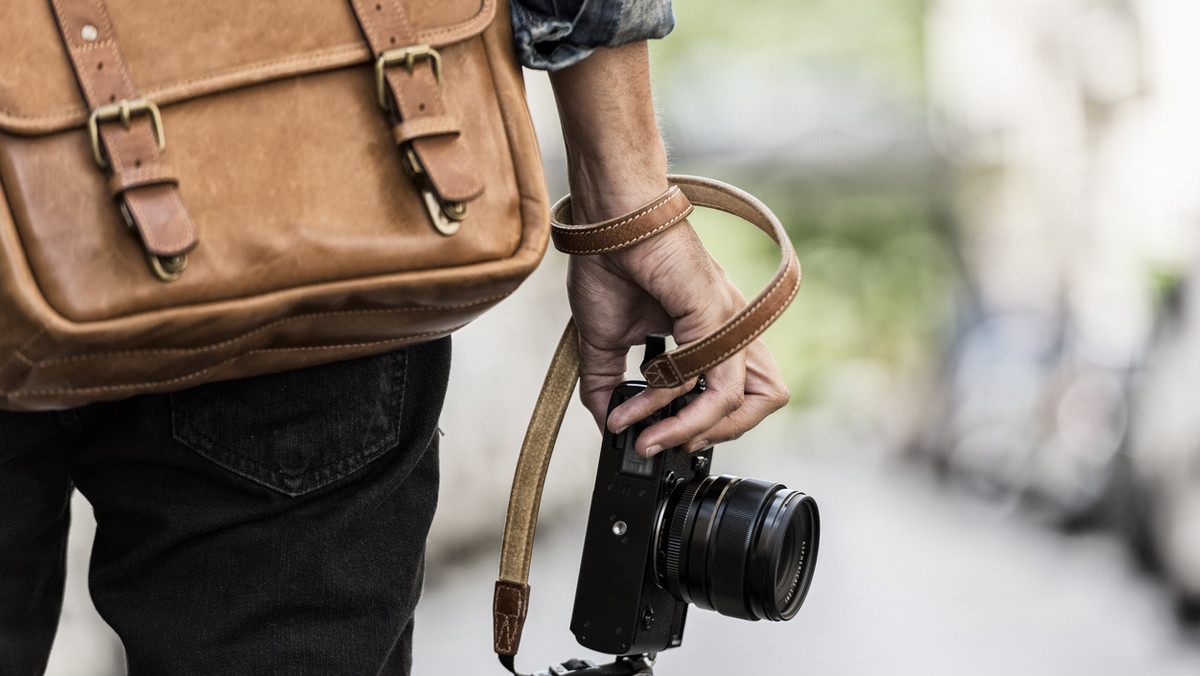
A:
[699,446]
[653,450]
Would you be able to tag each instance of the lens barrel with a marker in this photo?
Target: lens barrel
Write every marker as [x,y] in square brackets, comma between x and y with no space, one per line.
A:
[745,548]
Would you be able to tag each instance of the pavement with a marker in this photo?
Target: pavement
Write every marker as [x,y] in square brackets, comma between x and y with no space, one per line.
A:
[912,578]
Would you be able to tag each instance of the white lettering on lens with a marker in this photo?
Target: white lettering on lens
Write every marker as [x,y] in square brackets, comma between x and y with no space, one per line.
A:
[796,577]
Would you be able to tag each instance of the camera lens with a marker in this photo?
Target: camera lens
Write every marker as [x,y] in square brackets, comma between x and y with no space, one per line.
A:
[743,547]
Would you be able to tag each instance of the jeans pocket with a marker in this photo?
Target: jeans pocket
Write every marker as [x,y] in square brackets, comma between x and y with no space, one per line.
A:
[298,431]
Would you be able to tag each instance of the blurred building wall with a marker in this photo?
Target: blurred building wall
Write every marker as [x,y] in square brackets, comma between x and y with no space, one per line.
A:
[1072,128]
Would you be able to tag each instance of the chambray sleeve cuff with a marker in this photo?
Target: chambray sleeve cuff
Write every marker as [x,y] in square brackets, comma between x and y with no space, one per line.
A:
[554,34]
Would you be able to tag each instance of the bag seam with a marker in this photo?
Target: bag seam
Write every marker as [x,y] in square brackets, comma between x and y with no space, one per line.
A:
[196,374]
[326,59]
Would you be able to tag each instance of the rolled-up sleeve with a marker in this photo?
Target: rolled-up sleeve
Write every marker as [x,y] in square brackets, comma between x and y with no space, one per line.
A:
[553,34]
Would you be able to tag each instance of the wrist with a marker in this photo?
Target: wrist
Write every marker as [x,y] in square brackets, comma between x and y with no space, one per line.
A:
[615,154]
[603,191]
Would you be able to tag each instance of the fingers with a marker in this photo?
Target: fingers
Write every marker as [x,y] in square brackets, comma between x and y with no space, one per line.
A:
[601,370]
[722,396]
[765,393]
[740,393]
[668,284]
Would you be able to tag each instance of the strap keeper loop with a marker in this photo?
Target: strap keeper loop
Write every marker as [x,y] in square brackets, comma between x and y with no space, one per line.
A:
[120,182]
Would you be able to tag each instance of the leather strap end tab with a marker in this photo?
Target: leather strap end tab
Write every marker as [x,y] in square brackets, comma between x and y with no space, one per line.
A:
[662,372]
[165,226]
[617,233]
[509,607]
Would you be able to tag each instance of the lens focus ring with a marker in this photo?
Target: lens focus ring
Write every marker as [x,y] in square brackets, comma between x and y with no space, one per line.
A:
[730,550]
[675,535]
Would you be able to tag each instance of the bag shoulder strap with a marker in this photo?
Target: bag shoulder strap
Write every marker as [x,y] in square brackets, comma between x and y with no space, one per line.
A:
[511,599]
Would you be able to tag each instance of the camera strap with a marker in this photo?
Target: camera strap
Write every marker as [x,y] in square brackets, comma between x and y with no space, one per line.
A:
[670,369]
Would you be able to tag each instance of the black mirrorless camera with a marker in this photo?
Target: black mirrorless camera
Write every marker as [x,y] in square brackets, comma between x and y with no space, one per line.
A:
[662,533]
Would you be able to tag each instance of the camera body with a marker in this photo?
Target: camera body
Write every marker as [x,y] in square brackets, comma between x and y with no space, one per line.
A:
[620,608]
[663,533]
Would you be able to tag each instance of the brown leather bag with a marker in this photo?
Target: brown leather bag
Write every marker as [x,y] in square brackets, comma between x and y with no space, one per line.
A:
[197,191]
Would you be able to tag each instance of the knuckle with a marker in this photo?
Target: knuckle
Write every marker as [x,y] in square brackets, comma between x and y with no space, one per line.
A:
[780,396]
[734,400]
[730,401]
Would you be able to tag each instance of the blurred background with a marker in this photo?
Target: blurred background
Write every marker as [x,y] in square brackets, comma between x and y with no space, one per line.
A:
[996,204]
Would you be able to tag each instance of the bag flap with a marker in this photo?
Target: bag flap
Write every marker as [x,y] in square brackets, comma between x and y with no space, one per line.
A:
[180,49]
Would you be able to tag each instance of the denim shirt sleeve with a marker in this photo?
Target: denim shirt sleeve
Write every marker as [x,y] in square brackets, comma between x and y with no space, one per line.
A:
[553,34]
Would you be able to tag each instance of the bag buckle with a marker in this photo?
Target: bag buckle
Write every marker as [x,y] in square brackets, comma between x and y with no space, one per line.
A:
[446,216]
[408,56]
[123,110]
[166,268]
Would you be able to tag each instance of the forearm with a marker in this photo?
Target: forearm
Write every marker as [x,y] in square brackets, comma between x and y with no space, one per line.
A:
[615,155]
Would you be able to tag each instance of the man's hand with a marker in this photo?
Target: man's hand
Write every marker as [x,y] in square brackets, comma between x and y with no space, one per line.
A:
[666,284]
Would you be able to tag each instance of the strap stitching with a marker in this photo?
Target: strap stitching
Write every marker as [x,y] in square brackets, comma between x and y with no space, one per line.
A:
[629,242]
[511,624]
[654,204]
[663,381]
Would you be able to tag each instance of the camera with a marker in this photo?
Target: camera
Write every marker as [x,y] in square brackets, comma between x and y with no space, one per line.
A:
[663,533]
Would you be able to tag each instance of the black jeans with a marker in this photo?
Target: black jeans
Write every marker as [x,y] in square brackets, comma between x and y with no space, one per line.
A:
[272,525]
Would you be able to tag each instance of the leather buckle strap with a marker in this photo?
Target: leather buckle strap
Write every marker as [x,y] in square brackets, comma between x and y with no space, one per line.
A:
[408,56]
[123,111]
[511,598]
[132,150]
[437,161]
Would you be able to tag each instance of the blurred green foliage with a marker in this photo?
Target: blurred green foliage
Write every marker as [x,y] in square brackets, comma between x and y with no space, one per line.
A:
[877,280]
[877,39]
[878,269]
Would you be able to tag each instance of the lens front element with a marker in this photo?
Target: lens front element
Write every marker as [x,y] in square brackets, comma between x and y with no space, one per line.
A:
[746,548]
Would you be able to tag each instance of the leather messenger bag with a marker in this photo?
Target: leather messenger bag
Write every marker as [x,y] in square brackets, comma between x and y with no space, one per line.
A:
[199,190]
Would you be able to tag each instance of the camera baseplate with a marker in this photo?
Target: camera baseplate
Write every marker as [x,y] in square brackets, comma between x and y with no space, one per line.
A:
[624,666]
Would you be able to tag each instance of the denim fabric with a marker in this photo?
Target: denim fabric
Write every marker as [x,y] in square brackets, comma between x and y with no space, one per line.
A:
[554,34]
[272,525]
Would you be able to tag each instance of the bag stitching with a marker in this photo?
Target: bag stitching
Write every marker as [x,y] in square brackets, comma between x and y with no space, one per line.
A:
[196,374]
[55,361]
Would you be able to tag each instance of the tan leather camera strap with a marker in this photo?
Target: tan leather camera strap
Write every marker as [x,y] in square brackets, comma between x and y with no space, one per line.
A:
[678,366]
[511,600]
[126,132]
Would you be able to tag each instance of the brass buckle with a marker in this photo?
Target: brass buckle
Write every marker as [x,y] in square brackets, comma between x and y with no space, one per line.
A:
[408,56]
[445,216]
[123,110]
[166,268]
